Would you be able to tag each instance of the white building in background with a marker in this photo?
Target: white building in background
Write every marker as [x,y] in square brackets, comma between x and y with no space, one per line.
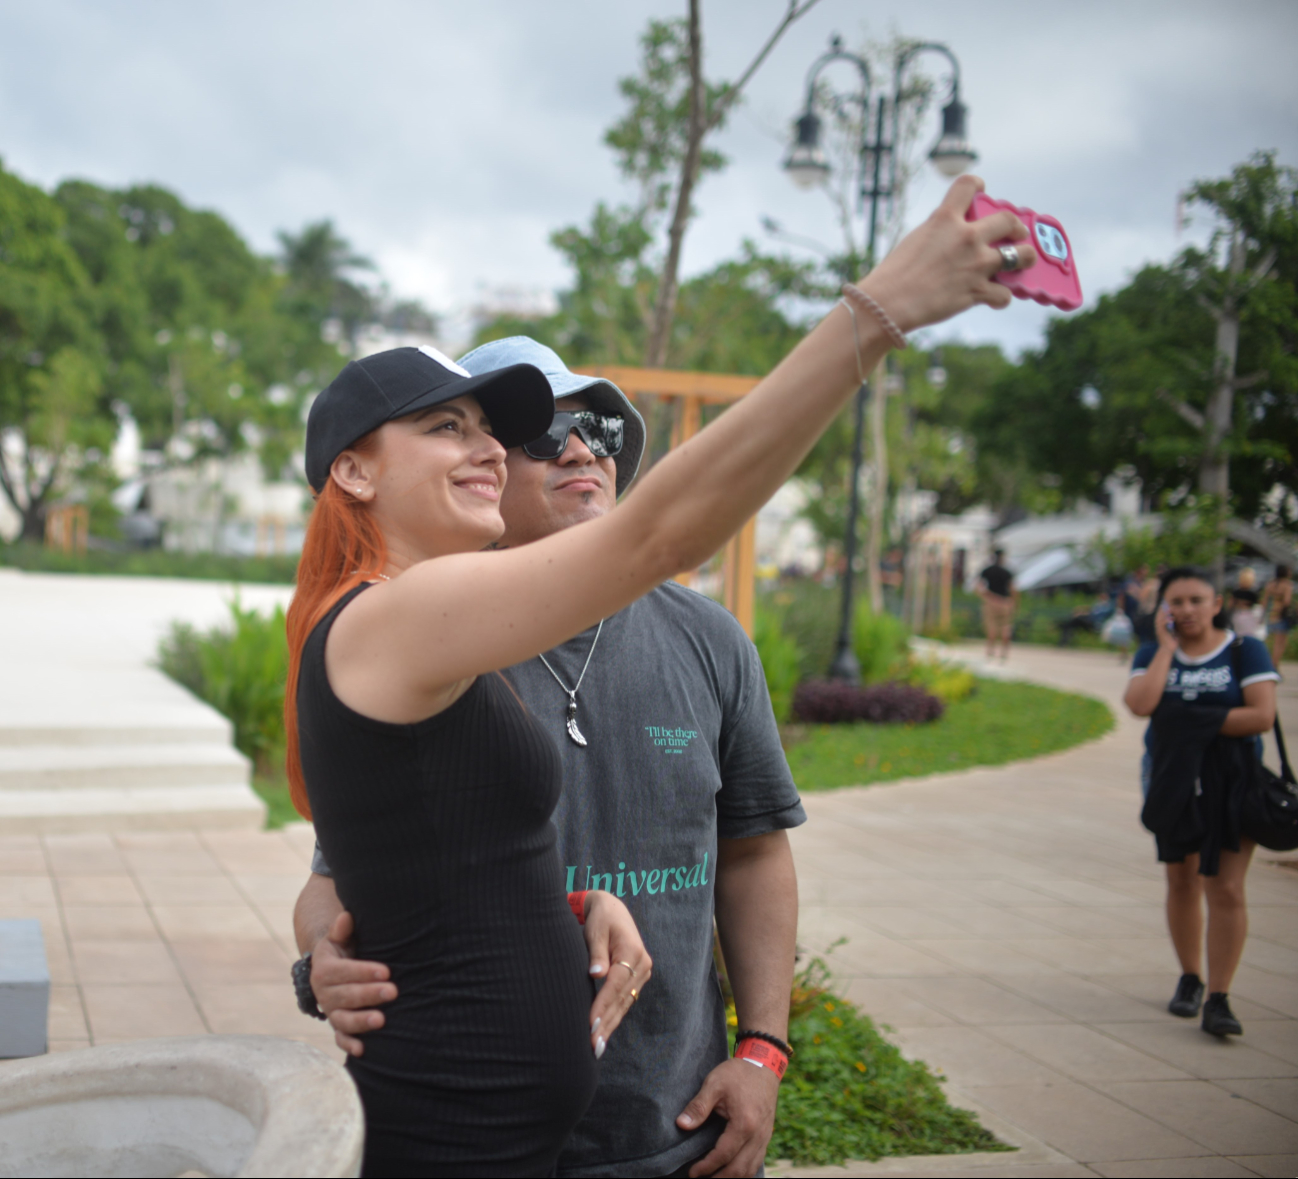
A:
[785,541]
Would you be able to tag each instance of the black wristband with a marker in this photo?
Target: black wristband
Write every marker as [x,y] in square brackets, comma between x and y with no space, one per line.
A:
[774,1041]
[306,1002]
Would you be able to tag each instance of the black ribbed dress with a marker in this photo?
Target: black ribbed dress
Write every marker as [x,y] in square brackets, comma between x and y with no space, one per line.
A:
[439,838]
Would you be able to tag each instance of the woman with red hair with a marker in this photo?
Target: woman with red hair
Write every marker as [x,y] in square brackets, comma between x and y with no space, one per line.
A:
[430,785]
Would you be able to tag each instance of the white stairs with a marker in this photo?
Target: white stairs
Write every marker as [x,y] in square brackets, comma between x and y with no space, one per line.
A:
[92,736]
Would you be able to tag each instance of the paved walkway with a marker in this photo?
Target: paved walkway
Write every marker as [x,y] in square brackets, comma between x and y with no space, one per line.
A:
[1007,923]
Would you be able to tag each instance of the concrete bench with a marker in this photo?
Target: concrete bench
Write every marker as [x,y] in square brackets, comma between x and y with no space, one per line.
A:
[24,989]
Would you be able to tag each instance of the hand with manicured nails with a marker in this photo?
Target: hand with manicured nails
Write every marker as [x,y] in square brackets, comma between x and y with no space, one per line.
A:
[350,990]
[946,265]
[612,939]
[745,1095]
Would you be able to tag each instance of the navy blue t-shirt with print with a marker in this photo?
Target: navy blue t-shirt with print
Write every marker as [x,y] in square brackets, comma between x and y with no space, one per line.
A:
[1209,680]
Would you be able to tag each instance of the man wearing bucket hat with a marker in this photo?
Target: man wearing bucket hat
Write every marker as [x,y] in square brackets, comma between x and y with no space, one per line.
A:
[676,798]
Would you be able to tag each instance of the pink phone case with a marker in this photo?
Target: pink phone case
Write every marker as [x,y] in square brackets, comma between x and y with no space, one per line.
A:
[1054,278]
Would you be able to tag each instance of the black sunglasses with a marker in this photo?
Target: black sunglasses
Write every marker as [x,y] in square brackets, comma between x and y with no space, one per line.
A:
[601,433]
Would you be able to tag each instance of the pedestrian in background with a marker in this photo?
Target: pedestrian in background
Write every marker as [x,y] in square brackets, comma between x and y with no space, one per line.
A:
[1243,604]
[1000,598]
[1279,612]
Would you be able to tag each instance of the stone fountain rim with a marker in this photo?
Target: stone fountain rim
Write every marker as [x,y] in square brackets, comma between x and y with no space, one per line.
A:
[304,1109]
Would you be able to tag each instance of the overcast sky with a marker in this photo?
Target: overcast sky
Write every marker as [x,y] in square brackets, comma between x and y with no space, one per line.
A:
[448,140]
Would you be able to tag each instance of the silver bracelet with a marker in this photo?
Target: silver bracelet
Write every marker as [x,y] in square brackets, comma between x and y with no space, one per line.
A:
[856,339]
[891,330]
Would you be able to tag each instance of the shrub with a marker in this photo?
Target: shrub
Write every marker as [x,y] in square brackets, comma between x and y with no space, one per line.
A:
[239,671]
[851,1094]
[829,702]
[947,682]
[880,643]
[780,657]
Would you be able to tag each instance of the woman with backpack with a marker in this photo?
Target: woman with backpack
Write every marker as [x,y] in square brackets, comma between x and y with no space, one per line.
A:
[1210,695]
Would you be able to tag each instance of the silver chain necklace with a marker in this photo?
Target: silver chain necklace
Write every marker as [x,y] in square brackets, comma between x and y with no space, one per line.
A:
[573,731]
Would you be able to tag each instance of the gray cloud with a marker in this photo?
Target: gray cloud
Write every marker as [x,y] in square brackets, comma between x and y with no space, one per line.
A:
[448,140]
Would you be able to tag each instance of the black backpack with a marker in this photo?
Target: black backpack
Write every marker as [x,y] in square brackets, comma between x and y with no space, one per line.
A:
[1269,808]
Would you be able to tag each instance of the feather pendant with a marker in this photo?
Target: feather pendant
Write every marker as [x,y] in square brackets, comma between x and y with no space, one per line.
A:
[573,731]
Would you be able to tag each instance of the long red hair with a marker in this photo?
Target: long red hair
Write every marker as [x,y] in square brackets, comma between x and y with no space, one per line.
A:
[343,547]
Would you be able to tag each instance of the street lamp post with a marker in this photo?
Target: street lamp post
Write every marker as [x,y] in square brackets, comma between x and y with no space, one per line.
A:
[808,168]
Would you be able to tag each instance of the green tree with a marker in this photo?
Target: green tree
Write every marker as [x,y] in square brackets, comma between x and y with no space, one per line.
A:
[54,416]
[210,348]
[1144,379]
[660,144]
[320,265]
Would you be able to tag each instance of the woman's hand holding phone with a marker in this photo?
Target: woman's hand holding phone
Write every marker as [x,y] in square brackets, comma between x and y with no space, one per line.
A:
[1166,628]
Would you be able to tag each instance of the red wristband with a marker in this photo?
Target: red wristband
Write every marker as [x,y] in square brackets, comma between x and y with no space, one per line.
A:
[577,903]
[761,1053]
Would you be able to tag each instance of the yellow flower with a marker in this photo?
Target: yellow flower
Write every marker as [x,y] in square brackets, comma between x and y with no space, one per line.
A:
[860,1068]
[829,1007]
[838,1023]
[732,1021]
[815,1039]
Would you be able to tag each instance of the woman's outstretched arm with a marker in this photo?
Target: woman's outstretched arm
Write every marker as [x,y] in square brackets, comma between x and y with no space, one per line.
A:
[447,619]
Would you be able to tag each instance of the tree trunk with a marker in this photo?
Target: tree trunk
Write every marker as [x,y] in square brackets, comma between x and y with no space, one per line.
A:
[1214,466]
[669,283]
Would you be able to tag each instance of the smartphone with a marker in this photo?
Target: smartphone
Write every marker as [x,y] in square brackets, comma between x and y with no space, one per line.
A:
[1054,278]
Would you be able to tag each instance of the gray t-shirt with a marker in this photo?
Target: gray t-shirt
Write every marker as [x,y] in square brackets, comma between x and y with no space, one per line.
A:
[683,749]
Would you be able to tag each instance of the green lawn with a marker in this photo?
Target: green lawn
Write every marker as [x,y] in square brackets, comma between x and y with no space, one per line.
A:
[1002,721]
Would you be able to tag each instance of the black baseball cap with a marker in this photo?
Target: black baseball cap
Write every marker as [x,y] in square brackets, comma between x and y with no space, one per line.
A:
[517,400]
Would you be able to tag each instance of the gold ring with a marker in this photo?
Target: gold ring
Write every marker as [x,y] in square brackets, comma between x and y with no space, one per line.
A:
[627,965]
[635,995]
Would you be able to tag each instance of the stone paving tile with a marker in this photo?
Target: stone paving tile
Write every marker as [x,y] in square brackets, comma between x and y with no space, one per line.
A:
[991,921]
[67,1020]
[22,855]
[1278,1094]
[1082,999]
[979,1001]
[260,1009]
[211,962]
[1208,1167]
[83,854]
[1268,955]
[171,853]
[894,1003]
[1084,921]
[1278,1037]
[140,1012]
[1085,1054]
[279,920]
[1155,989]
[1274,923]
[114,889]
[1274,1166]
[263,888]
[189,890]
[232,922]
[1211,1116]
[983,955]
[254,852]
[1100,956]
[903,922]
[1083,1124]
[1270,990]
[17,891]
[109,923]
[1184,1044]
[125,962]
[974,1056]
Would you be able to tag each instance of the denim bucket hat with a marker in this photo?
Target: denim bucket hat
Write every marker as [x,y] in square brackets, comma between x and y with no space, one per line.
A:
[604,396]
